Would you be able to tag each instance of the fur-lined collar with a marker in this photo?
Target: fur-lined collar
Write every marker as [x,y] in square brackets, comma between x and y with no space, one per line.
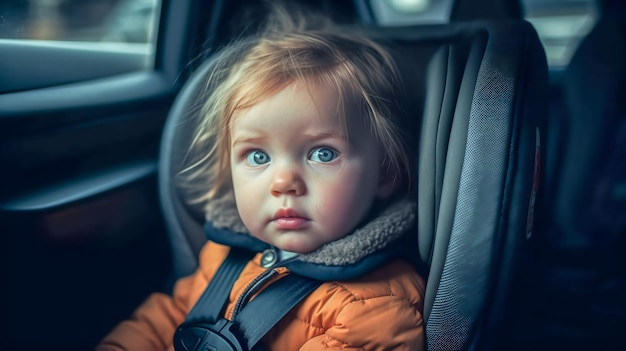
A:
[368,245]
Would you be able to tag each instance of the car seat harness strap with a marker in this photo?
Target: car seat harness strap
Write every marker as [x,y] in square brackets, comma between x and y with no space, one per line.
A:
[204,327]
[209,306]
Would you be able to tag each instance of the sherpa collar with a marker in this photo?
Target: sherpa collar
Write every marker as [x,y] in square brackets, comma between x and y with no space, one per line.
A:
[366,247]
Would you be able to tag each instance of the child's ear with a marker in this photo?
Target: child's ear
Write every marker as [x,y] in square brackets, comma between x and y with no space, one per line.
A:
[386,184]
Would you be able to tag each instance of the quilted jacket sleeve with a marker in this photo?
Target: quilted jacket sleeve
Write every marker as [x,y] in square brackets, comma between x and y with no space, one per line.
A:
[152,325]
[382,323]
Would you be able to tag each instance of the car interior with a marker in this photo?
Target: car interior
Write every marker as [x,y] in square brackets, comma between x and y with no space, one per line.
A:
[581,252]
[520,170]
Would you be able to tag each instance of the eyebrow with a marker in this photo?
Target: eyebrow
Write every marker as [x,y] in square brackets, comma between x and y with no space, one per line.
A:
[326,135]
[247,139]
[253,138]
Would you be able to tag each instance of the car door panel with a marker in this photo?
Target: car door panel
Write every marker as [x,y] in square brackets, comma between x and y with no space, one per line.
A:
[32,64]
[80,209]
[84,237]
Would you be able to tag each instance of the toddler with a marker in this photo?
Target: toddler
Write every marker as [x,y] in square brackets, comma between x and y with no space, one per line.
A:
[303,163]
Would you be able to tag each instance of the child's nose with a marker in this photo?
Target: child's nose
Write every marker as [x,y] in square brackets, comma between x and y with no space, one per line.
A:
[288,181]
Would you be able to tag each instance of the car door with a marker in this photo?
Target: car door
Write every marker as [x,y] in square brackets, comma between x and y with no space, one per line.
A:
[85,87]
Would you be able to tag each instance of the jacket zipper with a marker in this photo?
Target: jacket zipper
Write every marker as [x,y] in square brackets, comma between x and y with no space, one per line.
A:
[256,284]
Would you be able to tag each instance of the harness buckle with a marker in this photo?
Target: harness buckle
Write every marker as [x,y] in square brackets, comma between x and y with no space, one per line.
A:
[218,336]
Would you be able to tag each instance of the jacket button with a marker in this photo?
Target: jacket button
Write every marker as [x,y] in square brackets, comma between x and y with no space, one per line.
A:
[269,257]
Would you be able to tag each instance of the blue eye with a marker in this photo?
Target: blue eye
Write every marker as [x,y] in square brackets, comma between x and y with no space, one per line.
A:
[257,158]
[323,154]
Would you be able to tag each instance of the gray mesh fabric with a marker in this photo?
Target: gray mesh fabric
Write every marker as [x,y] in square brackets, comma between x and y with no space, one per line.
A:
[471,240]
[478,208]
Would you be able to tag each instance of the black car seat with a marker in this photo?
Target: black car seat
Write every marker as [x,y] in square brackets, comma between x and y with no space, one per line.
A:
[480,129]
[523,329]
[476,97]
[583,256]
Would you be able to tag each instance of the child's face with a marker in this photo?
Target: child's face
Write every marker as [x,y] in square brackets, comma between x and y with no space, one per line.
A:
[298,182]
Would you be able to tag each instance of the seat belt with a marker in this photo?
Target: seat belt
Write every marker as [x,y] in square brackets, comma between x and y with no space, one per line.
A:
[271,305]
[205,329]
[209,307]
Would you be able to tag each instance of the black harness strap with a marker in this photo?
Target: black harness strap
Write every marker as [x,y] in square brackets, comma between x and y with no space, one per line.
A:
[204,327]
[271,305]
[210,305]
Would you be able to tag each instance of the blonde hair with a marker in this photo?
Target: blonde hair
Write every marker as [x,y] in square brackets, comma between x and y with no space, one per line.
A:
[361,72]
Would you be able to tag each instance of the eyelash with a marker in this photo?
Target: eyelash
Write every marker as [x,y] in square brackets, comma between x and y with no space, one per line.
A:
[245,155]
[317,149]
[249,157]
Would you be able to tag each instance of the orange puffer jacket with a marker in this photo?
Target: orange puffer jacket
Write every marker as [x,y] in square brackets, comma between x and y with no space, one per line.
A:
[378,310]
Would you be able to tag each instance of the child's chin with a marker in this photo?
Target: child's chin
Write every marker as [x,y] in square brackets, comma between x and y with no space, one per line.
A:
[297,245]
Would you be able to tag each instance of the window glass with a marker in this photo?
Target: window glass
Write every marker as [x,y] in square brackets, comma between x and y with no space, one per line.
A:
[129,24]
[408,12]
[561,25]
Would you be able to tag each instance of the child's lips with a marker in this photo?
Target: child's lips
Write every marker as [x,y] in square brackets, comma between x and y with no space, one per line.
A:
[289,219]
[290,223]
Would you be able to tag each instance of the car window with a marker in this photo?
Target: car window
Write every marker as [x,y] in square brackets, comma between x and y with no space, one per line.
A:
[561,25]
[109,25]
[408,12]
